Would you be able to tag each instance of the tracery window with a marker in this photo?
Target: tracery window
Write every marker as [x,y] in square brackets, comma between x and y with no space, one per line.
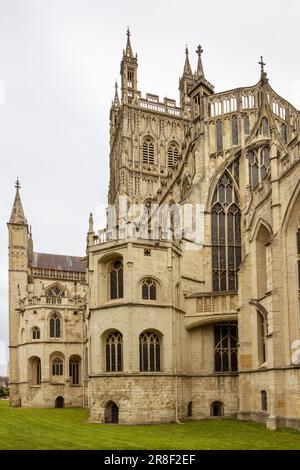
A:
[284,133]
[150,345]
[173,154]
[116,280]
[36,333]
[114,352]
[259,165]
[264,127]
[57,365]
[234,130]
[225,235]
[149,289]
[246,124]
[219,136]
[74,367]
[226,338]
[55,295]
[148,151]
[55,325]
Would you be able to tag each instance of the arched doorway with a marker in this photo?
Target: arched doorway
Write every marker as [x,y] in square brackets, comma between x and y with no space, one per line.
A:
[217,409]
[112,413]
[59,402]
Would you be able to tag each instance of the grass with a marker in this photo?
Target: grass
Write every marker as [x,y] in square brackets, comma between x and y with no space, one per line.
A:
[69,428]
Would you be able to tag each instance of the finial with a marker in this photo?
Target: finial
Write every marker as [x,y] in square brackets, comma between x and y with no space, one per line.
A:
[199,50]
[17,185]
[116,85]
[186,49]
[199,72]
[262,64]
[128,31]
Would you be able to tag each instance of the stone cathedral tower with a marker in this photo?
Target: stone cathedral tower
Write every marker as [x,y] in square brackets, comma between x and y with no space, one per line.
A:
[199,317]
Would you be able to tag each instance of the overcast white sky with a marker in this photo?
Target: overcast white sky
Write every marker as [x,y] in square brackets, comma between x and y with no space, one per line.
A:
[58,63]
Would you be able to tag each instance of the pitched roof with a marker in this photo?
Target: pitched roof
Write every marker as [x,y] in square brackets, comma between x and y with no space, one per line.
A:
[58,262]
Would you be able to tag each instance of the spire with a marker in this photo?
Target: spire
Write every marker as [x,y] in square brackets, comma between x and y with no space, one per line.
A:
[128,50]
[199,71]
[187,66]
[91,223]
[116,102]
[17,213]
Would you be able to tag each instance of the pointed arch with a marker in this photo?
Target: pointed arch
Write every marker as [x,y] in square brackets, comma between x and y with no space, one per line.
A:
[225,235]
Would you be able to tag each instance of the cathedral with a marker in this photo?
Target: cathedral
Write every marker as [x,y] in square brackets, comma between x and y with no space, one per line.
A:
[168,317]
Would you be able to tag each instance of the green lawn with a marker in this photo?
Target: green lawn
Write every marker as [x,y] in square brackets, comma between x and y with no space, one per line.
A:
[69,429]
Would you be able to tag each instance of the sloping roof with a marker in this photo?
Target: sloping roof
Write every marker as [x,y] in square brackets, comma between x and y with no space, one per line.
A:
[58,262]
[17,213]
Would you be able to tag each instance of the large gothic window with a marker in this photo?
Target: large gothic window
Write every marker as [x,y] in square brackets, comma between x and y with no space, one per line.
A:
[55,322]
[54,295]
[116,280]
[234,130]
[150,344]
[259,165]
[219,136]
[225,235]
[114,352]
[226,338]
[148,150]
[173,154]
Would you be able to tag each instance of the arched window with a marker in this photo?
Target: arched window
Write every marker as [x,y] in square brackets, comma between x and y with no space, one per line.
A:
[173,154]
[190,409]
[55,325]
[246,124]
[264,400]
[259,165]
[114,352]
[148,150]
[234,130]
[262,331]
[225,235]
[36,333]
[219,136]
[35,370]
[149,289]
[57,366]
[54,295]
[284,133]
[226,338]
[111,413]
[150,344]
[217,409]
[116,280]
[74,370]
[264,127]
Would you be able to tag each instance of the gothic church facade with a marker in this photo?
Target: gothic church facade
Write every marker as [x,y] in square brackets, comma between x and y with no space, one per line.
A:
[146,330]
